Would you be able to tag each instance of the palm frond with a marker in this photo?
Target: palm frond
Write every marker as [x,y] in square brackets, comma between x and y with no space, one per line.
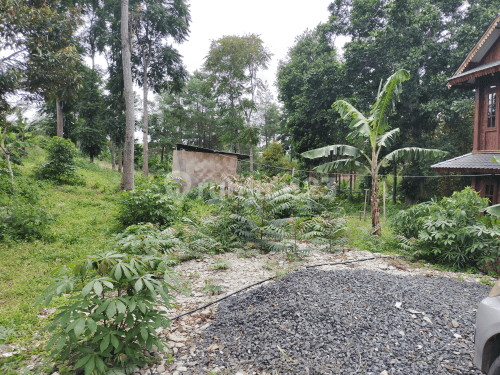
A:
[387,96]
[359,123]
[413,153]
[339,165]
[386,139]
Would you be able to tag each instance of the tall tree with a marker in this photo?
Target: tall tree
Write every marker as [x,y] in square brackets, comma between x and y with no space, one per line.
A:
[53,67]
[90,131]
[39,39]
[232,64]
[156,22]
[309,80]
[126,42]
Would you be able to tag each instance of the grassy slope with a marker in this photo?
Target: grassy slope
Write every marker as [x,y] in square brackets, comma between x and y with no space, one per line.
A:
[85,220]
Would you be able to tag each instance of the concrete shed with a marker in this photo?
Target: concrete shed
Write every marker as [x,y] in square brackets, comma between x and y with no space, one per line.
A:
[197,165]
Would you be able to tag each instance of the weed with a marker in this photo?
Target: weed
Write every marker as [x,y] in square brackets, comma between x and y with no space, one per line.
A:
[460,278]
[486,281]
[212,288]
[220,264]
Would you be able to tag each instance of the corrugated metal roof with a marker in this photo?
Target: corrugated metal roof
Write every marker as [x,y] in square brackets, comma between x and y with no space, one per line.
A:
[180,146]
[469,161]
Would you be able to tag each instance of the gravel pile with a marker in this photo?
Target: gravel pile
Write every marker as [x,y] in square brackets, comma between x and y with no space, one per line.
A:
[343,322]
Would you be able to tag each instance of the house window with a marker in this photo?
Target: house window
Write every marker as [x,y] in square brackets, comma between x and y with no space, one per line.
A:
[490,193]
[492,105]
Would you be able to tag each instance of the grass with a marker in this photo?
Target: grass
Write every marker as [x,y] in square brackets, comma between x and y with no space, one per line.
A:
[85,220]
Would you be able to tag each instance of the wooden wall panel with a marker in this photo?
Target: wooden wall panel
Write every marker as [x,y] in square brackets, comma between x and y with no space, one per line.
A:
[493,54]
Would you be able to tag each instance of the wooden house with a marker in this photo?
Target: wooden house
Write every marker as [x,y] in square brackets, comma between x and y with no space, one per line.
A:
[480,71]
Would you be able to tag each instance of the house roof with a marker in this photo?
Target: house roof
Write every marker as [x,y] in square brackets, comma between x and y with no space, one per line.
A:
[477,54]
[180,146]
[480,163]
[469,77]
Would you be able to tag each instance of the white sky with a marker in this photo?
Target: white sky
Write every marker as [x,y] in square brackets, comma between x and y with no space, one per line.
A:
[278,22]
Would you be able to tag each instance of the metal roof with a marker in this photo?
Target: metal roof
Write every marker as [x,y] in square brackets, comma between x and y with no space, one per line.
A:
[469,161]
[180,146]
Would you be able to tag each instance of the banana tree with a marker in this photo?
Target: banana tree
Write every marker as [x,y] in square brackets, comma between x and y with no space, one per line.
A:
[374,131]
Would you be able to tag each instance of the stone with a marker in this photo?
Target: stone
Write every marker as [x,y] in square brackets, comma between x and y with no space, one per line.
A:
[160,368]
[384,373]
[383,266]
[181,368]
[427,320]
[454,323]
[173,337]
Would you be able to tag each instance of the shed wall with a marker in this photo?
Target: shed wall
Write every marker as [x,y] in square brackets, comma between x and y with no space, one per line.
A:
[196,168]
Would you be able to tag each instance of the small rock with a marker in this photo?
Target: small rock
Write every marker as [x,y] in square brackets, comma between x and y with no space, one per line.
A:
[383,266]
[454,323]
[384,373]
[160,368]
[392,268]
[175,338]
[427,320]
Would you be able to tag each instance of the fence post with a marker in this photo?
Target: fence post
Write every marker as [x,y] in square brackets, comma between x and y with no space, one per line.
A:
[384,201]
[364,211]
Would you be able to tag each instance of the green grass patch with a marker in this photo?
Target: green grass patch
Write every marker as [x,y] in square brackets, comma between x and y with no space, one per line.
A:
[85,220]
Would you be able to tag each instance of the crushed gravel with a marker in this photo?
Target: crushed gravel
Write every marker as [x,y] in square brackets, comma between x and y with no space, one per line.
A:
[343,322]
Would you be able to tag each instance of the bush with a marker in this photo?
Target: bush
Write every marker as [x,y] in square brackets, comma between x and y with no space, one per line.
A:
[21,215]
[451,231]
[60,164]
[152,201]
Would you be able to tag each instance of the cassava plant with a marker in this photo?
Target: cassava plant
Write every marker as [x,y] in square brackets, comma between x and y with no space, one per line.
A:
[112,317]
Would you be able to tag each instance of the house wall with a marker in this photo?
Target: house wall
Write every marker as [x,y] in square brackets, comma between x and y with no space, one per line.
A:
[486,139]
[196,168]
[493,54]
[479,184]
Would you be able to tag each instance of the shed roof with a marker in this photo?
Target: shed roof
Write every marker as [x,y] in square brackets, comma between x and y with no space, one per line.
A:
[480,163]
[180,146]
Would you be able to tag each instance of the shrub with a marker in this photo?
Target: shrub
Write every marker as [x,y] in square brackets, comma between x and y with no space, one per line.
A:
[451,231]
[25,220]
[21,215]
[152,201]
[113,318]
[60,164]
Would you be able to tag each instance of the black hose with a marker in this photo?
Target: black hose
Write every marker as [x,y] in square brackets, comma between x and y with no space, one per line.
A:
[332,264]
[221,299]
[260,282]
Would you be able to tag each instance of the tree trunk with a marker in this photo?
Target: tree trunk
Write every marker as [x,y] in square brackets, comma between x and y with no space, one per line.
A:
[251,160]
[394,184]
[162,150]
[375,210]
[112,150]
[145,117]
[128,162]
[120,159]
[9,167]
[91,158]
[59,112]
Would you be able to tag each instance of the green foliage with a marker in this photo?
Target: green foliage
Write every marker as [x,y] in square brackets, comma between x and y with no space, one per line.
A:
[145,239]
[326,230]
[21,214]
[220,264]
[60,165]
[112,318]
[374,132]
[275,155]
[451,231]
[212,288]
[152,201]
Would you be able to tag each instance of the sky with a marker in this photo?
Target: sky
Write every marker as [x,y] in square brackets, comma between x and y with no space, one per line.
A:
[278,23]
